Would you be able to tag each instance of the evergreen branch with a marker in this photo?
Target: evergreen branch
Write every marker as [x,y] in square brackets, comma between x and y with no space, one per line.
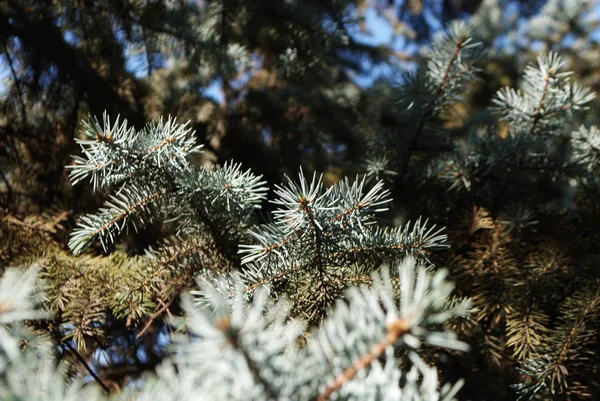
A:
[104,151]
[460,37]
[545,92]
[410,239]
[156,157]
[548,369]
[113,217]
[127,211]
[45,227]
[138,288]
[160,146]
[239,188]
[347,204]
[274,246]
[356,207]
[586,147]
[444,81]
[180,255]
[294,200]
[395,330]
[246,282]
[392,327]
[271,239]
[27,368]
[113,152]
[222,189]
[355,203]
[354,280]
[374,249]
[258,346]
[233,337]
[543,114]
[17,297]
[590,307]
[525,331]
[168,143]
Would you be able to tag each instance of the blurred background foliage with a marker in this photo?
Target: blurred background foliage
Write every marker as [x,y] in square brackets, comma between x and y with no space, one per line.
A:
[321,84]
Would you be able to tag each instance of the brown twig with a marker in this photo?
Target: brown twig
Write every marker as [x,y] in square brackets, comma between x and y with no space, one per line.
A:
[538,115]
[165,306]
[346,212]
[17,85]
[87,367]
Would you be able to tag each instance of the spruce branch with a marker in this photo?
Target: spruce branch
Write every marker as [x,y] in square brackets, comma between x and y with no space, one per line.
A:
[414,239]
[394,331]
[586,147]
[151,166]
[546,92]
[114,152]
[353,353]
[18,301]
[318,235]
[525,331]
[450,64]
[297,202]
[548,371]
[113,218]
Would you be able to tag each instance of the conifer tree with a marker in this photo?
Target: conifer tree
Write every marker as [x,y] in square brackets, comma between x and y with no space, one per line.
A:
[517,188]
[158,264]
